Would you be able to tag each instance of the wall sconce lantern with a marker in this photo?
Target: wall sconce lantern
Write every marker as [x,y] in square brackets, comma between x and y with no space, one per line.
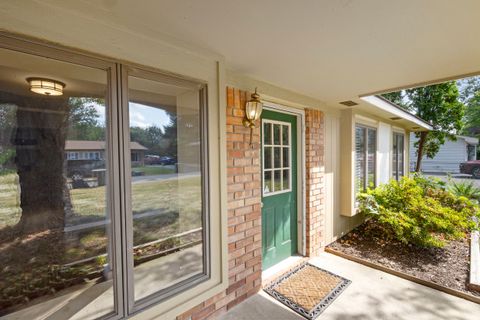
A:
[253,111]
[46,86]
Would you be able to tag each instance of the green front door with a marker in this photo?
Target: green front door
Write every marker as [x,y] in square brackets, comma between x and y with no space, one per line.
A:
[279,185]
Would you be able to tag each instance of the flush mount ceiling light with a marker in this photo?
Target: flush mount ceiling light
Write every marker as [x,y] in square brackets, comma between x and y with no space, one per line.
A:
[46,87]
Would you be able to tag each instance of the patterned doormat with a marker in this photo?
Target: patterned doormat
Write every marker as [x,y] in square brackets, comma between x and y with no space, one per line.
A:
[307,289]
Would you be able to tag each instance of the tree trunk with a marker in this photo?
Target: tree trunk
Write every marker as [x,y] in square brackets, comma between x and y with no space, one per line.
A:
[421,145]
[39,140]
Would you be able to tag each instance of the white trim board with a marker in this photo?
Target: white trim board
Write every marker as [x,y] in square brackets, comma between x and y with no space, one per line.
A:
[393,109]
[301,203]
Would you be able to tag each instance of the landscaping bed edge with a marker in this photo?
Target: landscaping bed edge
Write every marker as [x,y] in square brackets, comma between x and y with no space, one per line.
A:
[406,276]
[474,279]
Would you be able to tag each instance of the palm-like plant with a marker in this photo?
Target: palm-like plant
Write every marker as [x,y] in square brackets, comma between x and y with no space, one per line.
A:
[465,189]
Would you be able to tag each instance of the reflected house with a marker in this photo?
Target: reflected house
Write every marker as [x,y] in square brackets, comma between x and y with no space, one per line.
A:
[84,156]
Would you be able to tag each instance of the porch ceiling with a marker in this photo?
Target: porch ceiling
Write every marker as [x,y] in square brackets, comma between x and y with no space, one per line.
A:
[329,50]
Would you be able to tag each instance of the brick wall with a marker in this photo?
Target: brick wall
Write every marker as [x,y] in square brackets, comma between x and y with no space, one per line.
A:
[244,205]
[244,214]
[314,166]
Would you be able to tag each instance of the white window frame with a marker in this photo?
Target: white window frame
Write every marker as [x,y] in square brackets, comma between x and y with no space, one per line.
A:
[281,168]
[367,128]
[163,294]
[72,155]
[404,171]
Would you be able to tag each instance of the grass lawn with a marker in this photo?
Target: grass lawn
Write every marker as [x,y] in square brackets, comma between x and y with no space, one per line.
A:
[163,208]
[181,196]
[9,200]
[154,170]
[168,207]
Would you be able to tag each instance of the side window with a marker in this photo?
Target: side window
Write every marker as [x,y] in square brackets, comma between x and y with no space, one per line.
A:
[398,155]
[365,158]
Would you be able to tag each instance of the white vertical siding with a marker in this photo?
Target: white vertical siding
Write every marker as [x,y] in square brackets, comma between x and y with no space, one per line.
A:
[336,225]
[448,158]
[384,149]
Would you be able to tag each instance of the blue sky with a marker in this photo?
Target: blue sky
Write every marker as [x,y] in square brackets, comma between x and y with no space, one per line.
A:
[144,116]
[140,115]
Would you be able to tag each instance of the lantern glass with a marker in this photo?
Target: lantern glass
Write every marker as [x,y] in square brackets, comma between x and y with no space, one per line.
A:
[253,110]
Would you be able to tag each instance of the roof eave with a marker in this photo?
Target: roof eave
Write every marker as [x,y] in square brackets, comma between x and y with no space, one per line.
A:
[384,104]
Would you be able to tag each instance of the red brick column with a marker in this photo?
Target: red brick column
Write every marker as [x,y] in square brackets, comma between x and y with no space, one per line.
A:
[315,169]
[244,214]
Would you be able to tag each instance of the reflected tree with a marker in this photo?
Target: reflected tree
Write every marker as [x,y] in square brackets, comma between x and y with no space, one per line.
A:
[38,131]
[39,141]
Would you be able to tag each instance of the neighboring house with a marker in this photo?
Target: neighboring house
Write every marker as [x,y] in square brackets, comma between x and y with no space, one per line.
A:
[83,156]
[449,157]
[194,245]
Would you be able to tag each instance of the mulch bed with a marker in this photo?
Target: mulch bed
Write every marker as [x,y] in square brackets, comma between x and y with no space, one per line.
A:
[447,266]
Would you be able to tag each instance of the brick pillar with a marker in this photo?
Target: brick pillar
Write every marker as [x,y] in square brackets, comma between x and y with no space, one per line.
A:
[244,214]
[315,169]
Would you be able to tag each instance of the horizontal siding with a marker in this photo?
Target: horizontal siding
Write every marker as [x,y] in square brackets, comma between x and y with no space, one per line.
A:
[448,158]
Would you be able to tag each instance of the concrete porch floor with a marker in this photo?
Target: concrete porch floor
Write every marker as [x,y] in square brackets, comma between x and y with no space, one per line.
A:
[371,295]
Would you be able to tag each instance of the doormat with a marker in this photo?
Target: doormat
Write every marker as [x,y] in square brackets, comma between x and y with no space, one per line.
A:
[307,289]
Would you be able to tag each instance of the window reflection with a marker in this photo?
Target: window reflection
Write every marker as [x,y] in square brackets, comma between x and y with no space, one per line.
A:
[166,185]
[53,219]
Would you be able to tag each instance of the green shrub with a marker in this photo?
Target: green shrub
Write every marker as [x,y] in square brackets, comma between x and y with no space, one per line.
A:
[418,211]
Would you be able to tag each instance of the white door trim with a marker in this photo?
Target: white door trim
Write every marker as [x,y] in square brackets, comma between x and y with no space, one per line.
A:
[301,203]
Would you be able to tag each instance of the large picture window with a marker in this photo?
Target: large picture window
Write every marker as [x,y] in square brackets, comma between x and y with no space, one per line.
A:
[398,154]
[365,157]
[167,202]
[103,186]
[54,218]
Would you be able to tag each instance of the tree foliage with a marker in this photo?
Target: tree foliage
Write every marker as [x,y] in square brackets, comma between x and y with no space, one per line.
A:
[83,123]
[396,97]
[441,106]
[470,96]
[150,137]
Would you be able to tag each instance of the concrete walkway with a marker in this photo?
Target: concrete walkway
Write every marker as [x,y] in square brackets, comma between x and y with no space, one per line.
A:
[371,295]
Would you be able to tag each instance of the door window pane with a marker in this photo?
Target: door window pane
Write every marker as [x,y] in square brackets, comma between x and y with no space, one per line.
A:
[286,157]
[54,223]
[167,205]
[285,135]
[267,182]
[277,160]
[286,179]
[267,157]
[276,134]
[278,179]
[267,133]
